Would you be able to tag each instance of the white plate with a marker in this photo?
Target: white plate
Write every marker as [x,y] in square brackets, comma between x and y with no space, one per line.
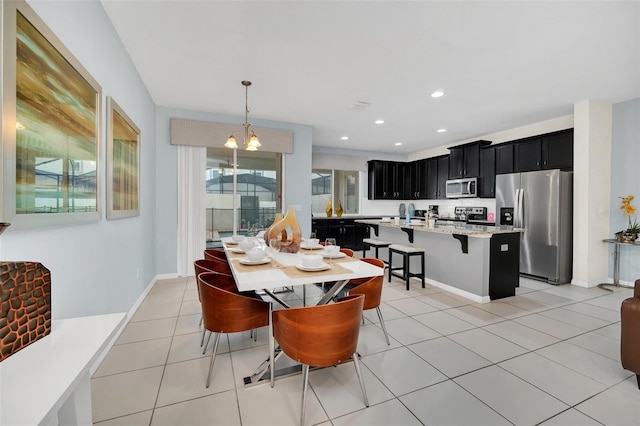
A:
[246,261]
[237,250]
[337,255]
[322,267]
[230,242]
[308,247]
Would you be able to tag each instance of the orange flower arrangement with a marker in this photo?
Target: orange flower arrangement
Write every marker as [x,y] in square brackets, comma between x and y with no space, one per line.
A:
[630,210]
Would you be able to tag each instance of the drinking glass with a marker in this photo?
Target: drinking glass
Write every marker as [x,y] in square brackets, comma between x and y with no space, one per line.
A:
[275,244]
[328,243]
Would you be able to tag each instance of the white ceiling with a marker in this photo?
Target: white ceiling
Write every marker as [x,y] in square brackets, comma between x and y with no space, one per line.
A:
[501,64]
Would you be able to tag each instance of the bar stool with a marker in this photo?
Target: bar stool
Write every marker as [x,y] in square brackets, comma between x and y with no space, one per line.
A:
[372,243]
[406,252]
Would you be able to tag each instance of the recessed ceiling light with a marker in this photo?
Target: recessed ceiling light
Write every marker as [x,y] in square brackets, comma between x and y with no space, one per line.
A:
[379,121]
[437,94]
[345,138]
[442,130]
[398,143]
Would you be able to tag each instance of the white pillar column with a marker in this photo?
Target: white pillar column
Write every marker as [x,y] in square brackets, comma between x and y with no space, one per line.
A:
[591,191]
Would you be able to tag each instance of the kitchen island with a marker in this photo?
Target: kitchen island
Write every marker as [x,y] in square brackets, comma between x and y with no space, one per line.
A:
[475,261]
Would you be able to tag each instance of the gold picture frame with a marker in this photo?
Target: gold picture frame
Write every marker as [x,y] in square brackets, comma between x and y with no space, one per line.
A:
[51,127]
[123,168]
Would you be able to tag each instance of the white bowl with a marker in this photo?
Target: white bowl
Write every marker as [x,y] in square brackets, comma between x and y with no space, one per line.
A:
[255,254]
[246,245]
[311,260]
[332,249]
[237,238]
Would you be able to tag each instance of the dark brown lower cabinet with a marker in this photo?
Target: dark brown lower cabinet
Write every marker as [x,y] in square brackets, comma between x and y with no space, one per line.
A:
[347,232]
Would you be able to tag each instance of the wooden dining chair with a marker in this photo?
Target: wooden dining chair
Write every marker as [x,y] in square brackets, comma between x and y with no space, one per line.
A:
[213,264]
[206,265]
[215,254]
[321,336]
[371,288]
[203,265]
[348,252]
[224,311]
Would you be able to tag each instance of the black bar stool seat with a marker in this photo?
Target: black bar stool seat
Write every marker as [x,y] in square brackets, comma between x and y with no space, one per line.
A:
[406,252]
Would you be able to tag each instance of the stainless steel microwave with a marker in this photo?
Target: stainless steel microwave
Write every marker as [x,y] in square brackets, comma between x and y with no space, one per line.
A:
[462,188]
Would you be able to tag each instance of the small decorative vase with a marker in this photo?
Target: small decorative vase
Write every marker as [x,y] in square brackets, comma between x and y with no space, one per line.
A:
[402,210]
[267,234]
[289,228]
[629,237]
[412,210]
[329,209]
[339,209]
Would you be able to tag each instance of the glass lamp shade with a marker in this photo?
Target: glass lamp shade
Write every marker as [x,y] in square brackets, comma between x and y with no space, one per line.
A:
[231,142]
[254,141]
[251,148]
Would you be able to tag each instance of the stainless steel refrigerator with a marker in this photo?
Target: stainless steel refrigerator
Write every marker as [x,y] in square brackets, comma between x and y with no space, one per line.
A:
[541,202]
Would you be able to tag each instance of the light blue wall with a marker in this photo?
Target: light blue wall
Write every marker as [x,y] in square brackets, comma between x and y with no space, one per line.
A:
[297,177]
[100,267]
[625,180]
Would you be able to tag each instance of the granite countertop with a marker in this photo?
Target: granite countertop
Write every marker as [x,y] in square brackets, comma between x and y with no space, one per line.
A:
[461,228]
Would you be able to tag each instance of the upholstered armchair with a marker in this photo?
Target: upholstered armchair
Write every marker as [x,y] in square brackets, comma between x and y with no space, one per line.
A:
[630,335]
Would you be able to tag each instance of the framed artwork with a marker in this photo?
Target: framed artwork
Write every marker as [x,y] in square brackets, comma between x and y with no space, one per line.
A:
[51,115]
[123,164]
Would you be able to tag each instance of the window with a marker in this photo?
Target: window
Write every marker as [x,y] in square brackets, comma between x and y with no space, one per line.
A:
[341,186]
[259,183]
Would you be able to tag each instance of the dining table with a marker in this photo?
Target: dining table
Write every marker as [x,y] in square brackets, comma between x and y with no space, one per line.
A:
[277,270]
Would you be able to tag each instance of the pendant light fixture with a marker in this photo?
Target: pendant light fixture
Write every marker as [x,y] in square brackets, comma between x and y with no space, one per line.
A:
[251,141]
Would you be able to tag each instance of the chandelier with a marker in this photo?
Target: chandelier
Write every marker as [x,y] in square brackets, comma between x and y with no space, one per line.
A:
[251,142]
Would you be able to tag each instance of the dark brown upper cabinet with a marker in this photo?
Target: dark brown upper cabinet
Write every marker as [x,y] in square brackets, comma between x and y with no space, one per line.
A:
[387,180]
[544,152]
[464,160]
[487,177]
[418,171]
[504,158]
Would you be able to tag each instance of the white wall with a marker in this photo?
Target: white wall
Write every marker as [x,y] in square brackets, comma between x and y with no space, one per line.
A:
[99,267]
[591,188]
[625,160]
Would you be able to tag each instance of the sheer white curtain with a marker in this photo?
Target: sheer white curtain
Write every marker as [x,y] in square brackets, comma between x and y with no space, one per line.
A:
[192,162]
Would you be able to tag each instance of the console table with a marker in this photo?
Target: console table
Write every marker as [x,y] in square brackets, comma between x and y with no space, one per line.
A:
[48,382]
[616,263]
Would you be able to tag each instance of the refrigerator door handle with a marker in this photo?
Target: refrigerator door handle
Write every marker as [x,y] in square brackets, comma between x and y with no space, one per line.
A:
[516,208]
[521,209]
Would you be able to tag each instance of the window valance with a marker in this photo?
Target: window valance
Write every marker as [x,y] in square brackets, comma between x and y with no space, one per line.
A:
[339,162]
[214,135]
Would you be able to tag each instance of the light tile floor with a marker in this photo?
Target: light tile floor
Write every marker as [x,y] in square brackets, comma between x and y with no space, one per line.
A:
[549,355]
